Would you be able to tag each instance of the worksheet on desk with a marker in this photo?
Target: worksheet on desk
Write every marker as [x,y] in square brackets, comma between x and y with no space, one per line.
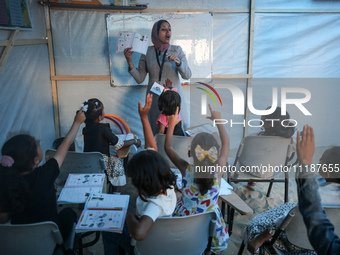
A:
[85,180]
[77,194]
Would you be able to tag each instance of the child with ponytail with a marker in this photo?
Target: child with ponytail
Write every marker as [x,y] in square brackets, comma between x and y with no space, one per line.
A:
[200,187]
[98,137]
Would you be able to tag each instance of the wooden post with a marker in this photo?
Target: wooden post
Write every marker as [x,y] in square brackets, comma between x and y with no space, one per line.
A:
[7,50]
[52,70]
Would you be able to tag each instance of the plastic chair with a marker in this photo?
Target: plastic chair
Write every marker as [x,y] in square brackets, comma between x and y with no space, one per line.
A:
[296,231]
[255,156]
[36,238]
[180,144]
[77,162]
[178,235]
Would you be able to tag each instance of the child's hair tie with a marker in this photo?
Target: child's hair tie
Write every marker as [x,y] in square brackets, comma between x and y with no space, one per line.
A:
[212,153]
[85,106]
[7,161]
[169,89]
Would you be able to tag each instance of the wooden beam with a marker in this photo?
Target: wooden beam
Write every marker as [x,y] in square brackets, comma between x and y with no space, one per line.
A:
[82,78]
[52,71]
[298,10]
[24,42]
[197,10]
[233,76]
[7,50]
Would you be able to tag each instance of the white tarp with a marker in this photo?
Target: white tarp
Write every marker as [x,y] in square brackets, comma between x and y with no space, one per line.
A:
[25,86]
[285,46]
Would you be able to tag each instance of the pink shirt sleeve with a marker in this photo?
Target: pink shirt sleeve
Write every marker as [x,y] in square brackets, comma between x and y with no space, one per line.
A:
[163,119]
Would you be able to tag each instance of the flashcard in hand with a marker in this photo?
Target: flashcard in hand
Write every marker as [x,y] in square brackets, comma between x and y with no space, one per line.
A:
[157,89]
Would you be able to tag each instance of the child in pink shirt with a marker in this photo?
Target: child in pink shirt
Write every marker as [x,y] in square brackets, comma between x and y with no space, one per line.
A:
[168,102]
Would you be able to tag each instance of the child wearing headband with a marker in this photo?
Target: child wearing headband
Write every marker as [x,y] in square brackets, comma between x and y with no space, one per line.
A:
[98,137]
[200,183]
[168,102]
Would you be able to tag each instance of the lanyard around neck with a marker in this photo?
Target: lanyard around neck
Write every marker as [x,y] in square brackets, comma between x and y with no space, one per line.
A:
[160,66]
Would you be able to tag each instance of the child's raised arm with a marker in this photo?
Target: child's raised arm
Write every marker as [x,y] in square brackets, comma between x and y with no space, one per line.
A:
[180,163]
[224,152]
[148,135]
[69,138]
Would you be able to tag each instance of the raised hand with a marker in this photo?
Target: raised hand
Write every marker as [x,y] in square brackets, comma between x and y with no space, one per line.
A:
[214,114]
[168,83]
[305,145]
[173,119]
[80,116]
[143,111]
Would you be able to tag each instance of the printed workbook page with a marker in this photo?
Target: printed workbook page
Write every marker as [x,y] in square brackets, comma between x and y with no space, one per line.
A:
[126,39]
[101,220]
[79,186]
[140,43]
[107,201]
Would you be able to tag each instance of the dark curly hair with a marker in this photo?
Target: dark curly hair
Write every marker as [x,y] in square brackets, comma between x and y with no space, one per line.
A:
[23,149]
[168,101]
[94,110]
[14,190]
[204,180]
[150,174]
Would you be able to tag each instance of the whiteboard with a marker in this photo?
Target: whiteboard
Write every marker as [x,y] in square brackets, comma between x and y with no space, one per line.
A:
[193,32]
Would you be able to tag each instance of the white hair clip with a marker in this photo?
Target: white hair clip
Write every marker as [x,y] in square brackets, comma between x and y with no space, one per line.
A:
[96,103]
[85,107]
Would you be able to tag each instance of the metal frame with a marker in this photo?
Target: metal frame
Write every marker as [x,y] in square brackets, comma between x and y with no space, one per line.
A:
[143,9]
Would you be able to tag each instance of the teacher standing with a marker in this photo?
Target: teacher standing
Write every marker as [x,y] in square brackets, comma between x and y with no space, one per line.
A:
[162,61]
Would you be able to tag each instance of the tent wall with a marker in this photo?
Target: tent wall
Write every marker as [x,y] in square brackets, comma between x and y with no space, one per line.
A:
[296,44]
[25,85]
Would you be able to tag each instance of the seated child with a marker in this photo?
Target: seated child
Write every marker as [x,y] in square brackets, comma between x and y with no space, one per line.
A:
[154,181]
[263,226]
[168,101]
[27,193]
[200,187]
[320,230]
[98,137]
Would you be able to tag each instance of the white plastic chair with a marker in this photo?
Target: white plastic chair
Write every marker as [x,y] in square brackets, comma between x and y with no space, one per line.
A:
[255,156]
[36,238]
[178,235]
[77,162]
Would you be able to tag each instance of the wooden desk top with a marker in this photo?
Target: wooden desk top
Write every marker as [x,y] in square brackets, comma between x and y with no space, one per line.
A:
[237,203]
